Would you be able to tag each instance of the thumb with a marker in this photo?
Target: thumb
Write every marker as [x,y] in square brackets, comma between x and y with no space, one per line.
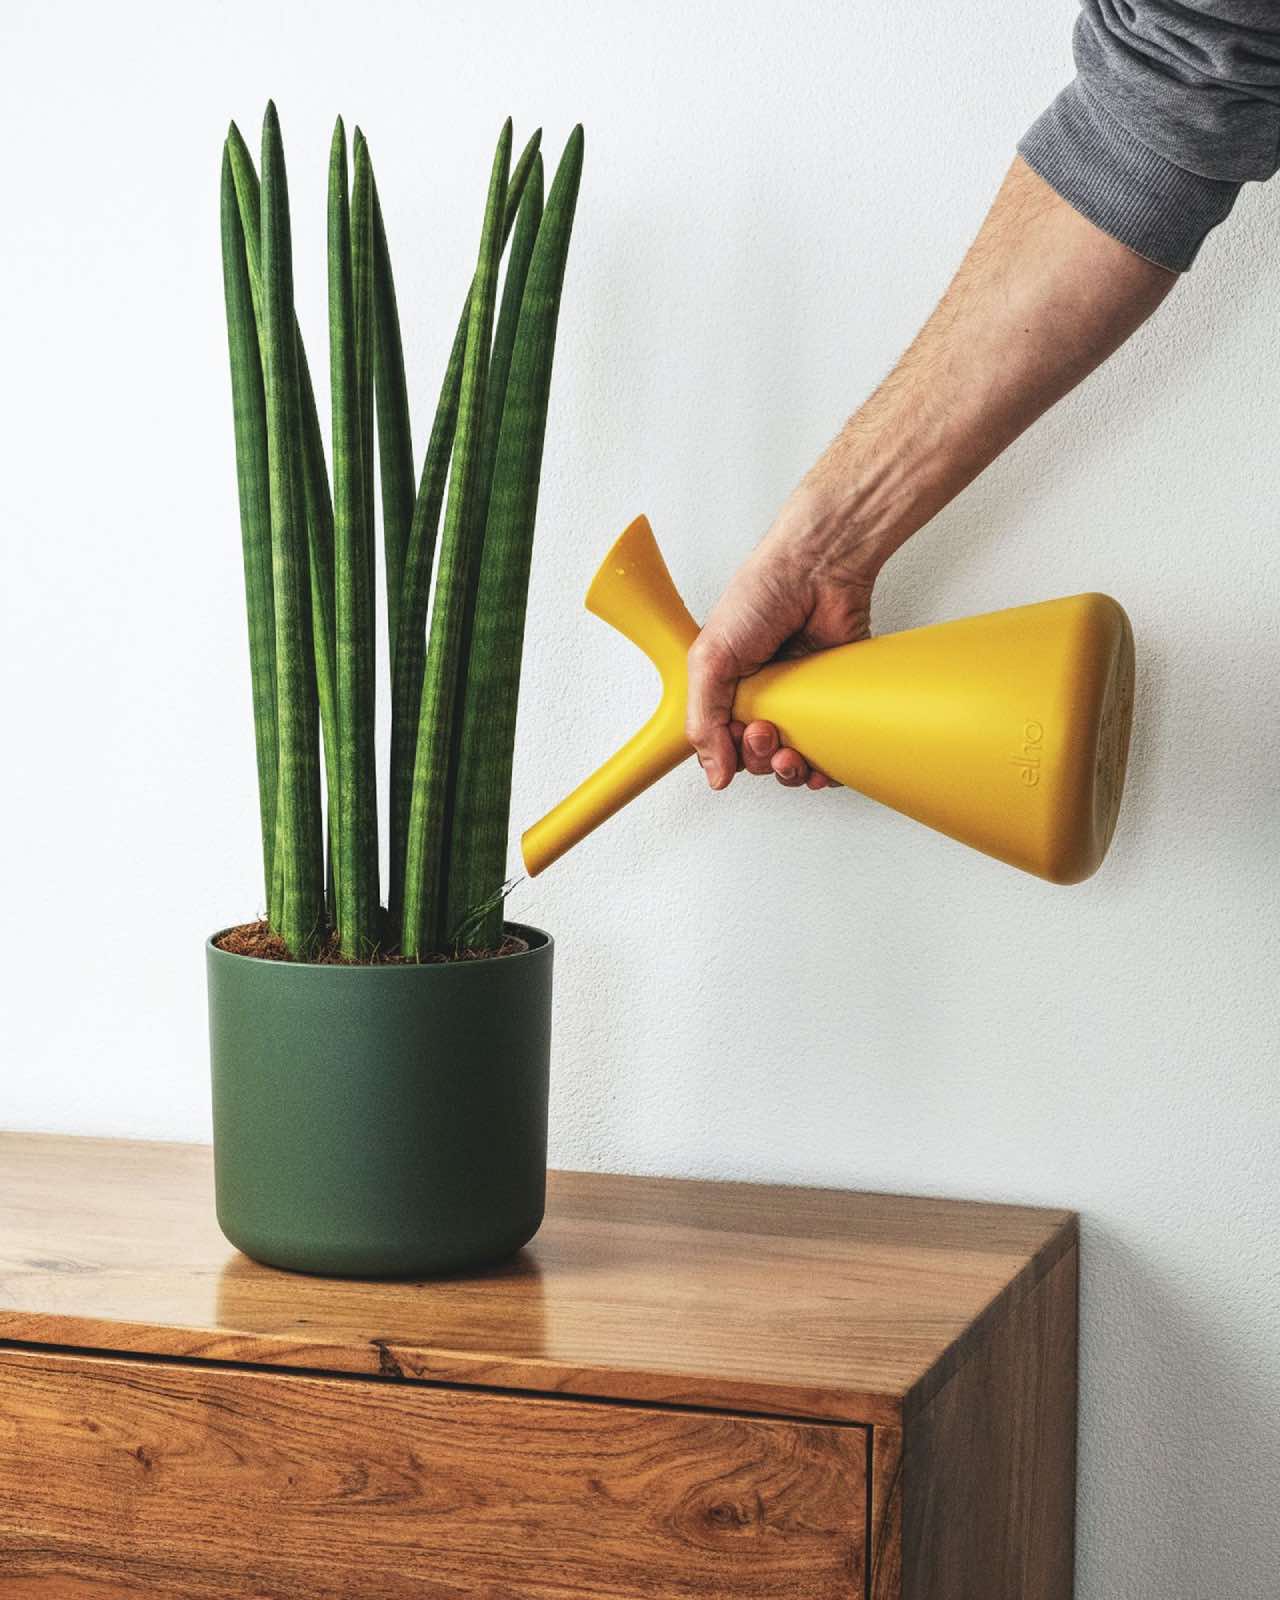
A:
[713,682]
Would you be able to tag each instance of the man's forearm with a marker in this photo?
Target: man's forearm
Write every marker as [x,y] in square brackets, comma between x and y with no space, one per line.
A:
[1042,297]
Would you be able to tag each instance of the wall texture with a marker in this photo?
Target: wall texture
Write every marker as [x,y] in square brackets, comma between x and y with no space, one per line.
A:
[800,988]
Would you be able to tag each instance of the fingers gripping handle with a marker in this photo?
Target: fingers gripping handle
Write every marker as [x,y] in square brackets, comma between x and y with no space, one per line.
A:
[633,592]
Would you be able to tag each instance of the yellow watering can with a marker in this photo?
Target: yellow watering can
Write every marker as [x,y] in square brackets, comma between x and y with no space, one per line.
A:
[1009,731]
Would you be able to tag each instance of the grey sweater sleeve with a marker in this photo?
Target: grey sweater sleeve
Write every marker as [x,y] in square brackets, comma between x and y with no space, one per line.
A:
[1175,105]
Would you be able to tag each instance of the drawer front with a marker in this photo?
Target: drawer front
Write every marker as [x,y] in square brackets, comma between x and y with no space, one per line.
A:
[132,1478]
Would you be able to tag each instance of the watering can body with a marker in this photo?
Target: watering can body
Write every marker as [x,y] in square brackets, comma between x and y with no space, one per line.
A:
[1008,732]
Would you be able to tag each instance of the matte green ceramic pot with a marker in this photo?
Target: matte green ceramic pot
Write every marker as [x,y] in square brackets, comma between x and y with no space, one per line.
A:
[381,1121]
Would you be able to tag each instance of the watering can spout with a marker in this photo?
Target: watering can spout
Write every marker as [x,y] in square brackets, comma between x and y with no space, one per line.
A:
[1009,732]
[634,593]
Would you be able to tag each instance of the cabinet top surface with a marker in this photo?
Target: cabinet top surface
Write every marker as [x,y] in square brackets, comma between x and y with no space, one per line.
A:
[798,1302]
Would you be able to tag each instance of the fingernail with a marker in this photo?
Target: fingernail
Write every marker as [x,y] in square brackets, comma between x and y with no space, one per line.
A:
[759,744]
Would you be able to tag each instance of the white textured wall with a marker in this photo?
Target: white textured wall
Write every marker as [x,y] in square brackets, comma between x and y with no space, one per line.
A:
[799,988]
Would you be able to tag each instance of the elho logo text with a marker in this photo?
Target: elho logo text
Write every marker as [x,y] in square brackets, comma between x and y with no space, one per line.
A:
[1027,760]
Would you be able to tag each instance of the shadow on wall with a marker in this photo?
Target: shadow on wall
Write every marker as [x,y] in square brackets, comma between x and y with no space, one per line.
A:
[1179,1464]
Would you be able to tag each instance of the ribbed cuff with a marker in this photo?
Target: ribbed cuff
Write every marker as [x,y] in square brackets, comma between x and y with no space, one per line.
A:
[1096,165]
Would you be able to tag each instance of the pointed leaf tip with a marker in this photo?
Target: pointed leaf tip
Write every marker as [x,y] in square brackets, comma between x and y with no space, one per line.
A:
[236,140]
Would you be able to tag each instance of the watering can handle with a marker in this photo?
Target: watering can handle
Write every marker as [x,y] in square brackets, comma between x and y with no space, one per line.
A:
[634,593]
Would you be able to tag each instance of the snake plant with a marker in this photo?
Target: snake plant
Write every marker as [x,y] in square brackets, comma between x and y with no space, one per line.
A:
[309,546]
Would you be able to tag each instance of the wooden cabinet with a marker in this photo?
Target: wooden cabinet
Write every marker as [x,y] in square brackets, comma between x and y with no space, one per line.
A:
[682,1390]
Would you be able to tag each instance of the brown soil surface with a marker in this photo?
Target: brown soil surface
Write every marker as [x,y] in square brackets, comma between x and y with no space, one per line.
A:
[256,939]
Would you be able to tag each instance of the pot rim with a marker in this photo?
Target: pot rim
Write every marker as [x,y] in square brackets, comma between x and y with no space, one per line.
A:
[539,939]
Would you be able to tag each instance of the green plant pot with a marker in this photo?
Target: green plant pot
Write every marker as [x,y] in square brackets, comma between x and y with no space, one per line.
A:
[384,1121]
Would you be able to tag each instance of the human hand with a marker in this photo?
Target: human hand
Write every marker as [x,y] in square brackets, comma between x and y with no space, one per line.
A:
[807,586]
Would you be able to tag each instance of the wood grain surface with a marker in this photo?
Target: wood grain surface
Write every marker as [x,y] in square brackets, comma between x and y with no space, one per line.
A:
[129,1478]
[989,1465]
[884,1535]
[794,1302]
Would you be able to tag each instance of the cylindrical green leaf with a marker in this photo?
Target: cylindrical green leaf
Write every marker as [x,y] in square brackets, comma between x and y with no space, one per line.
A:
[357,832]
[362,281]
[425,898]
[299,834]
[483,796]
[504,341]
[528,219]
[411,642]
[249,410]
[319,507]
[324,625]
[395,441]
[409,657]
